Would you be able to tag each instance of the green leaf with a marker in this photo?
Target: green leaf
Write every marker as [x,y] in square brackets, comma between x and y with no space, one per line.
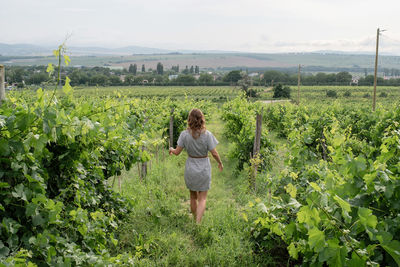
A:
[343,204]
[369,178]
[50,68]
[355,261]
[393,248]
[37,220]
[316,239]
[367,218]
[315,186]
[291,190]
[67,88]
[293,251]
[4,148]
[31,209]
[19,192]
[67,60]
[51,252]
[277,229]
[310,217]
[3,250]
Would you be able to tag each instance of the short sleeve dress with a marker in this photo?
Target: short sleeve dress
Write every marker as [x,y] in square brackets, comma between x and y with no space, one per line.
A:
[197,170]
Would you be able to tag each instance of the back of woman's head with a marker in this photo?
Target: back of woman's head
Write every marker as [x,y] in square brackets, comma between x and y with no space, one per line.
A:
[196,122]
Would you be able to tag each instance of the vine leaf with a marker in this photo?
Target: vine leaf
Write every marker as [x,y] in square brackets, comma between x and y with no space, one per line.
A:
[316,239]
[393,248]
[367,218]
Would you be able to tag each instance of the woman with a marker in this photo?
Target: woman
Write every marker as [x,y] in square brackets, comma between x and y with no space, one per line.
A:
[197,141]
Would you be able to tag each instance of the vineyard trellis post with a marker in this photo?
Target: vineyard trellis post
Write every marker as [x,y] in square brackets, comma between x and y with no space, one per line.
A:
[144,164]
[2,89]
[298,86]
[171,129]
[256,149]
[376,69]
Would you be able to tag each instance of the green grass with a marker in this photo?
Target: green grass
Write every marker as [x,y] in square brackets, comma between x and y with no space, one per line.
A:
[161,230]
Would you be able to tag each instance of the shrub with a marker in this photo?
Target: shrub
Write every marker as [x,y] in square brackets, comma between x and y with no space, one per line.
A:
[347,93]
[366,95]
[252,93]
[331,93]
[281,92]
[383,94]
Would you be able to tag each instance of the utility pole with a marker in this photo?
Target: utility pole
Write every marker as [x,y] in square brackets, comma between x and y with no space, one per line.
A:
[298,86]
[376,68]
[2,89]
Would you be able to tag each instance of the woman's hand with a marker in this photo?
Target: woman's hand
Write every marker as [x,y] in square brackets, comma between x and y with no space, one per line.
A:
[220,166]
[170,150]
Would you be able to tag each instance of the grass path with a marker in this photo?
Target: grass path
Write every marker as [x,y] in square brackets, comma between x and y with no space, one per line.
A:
[161,231]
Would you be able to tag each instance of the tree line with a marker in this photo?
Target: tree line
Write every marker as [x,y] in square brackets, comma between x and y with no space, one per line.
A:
[188,76]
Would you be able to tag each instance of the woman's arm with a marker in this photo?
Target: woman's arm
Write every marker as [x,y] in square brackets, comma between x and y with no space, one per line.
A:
[215,155]
[175,151]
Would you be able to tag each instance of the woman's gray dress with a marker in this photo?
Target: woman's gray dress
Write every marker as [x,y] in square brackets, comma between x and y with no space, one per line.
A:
[197,170]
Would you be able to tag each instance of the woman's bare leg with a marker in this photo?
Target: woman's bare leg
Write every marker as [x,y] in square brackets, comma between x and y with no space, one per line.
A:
[201,205]
[193,203]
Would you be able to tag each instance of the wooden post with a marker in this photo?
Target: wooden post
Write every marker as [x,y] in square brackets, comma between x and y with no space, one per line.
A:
[256,149]
[298,86]
[2,89]
[171,129]
[257,137]
[376,69]
[144,165]
[138,170]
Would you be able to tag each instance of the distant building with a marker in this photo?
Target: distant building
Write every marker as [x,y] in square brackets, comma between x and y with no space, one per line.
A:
[254,74]
[354,80]
[391,77]
[172,77]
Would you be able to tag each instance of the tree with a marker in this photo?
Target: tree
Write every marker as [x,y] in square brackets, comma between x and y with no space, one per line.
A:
[191,69]
[185,79]
[197,69]
[206,79]
[281,92]
[233,77]
[245,82]
[273,76]
[343,78]
[160,68]
[175,68]
[186,70]
[129,79]
[132,69]
[143,68]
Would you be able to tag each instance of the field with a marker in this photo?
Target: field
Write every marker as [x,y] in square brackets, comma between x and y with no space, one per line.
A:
[252,61]
[308,94]
[198,92]
[72,165]
[356,94]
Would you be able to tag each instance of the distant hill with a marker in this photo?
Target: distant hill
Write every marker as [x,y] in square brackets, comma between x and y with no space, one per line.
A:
[35,50]
[326,61]
[23,50]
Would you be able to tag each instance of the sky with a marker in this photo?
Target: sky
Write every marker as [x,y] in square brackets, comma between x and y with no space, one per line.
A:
[231,25]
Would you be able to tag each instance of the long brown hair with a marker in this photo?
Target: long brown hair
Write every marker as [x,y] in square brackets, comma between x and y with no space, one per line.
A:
[196,122]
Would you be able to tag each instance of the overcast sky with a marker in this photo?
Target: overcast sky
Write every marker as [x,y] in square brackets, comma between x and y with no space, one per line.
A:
[236,25]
